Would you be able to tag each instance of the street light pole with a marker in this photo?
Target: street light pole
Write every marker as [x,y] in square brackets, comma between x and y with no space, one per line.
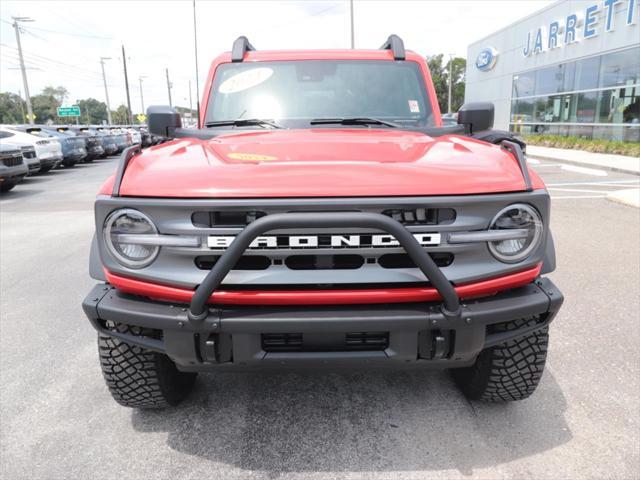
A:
[190,103]
[106,91]
[141,97]
[168,87]
[450,75]
[126,84]
[22,68]
[353,42]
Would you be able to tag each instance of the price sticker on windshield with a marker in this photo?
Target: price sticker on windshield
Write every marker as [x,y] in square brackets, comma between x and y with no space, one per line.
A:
[414,106]
[245,80]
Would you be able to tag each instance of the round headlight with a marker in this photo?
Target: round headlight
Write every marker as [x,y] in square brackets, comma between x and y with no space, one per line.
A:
[527,221]
[124,232]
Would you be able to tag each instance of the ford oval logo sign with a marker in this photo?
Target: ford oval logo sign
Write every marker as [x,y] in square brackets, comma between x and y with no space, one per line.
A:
[486,59]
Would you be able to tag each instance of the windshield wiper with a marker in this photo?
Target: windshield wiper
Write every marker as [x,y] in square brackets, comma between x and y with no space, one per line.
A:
[244,123]
[353,121]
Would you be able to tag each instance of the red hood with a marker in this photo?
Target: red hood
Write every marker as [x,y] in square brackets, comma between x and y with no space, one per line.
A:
[321,163]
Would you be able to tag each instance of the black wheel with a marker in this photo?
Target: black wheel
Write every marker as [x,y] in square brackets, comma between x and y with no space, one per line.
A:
[509,371]
[45,169]
[6,186]
[137,377]
[69,164]
[88,160]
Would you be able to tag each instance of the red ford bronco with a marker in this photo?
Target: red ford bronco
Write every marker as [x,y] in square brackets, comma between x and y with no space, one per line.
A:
[322,215]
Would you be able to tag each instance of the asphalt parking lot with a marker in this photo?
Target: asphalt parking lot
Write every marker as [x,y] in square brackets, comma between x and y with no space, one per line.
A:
[58,420]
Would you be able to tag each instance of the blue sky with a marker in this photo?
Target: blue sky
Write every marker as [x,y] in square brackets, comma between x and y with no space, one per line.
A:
[63,45]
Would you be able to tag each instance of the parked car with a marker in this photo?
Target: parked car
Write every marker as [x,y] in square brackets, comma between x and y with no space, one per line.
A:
[28,150]
[121,136]
[73,149]
[145,137]
[48,150]
[136,136]
[109,142]
[93,141]
[449,118]
[12,167]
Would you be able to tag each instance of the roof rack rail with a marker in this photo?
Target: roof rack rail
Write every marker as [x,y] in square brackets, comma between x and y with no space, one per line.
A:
[396,45]
[240,46]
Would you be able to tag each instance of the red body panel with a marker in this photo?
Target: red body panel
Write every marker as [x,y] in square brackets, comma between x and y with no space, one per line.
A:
[322,163]
[323,297]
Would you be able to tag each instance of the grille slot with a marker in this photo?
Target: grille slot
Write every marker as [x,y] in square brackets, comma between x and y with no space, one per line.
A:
[246,262]
[422,216]
[239,218]
[324,262]
[325,342]
[402,260]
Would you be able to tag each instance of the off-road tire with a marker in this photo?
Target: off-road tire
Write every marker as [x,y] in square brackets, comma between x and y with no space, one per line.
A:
[509,371]
[141,378]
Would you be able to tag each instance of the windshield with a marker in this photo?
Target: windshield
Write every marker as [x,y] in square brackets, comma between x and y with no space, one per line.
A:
[295,92]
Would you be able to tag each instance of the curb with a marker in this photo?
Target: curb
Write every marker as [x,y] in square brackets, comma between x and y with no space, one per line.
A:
[629,197]
[586,164]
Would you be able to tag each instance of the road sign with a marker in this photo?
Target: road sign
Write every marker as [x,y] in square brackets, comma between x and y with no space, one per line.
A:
[69,111]
[141,117]
[33,115]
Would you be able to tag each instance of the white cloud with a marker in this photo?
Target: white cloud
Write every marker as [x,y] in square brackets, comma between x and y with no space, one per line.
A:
[159,35]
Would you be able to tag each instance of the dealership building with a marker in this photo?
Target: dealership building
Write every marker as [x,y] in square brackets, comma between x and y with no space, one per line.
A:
[571,69]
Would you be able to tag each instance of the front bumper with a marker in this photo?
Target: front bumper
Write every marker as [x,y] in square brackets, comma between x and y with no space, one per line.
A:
[418,334]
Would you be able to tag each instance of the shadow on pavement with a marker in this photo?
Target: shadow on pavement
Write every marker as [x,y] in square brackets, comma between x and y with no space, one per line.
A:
[356,422]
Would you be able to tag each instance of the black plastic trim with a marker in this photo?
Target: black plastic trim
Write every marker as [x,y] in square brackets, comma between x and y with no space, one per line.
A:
[396,45]
[516,151]
[125,158]
[240,46]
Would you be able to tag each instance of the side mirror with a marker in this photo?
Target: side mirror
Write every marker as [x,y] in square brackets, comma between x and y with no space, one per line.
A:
[476,116]
[163,120]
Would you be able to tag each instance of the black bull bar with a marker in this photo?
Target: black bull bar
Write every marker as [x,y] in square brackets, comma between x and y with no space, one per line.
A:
[198,309]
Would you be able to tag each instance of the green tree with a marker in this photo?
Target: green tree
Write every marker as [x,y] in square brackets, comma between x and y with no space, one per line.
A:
[45,108]
[12,108]
[121,115]
[440,76]
[92,111]
[59,93]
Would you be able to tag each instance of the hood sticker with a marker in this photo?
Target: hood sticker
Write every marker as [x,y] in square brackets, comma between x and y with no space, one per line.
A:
[251,157]
[245,80]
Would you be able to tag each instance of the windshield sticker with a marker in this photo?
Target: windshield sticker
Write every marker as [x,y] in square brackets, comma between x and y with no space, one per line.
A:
[252,157]
[245,80]
[414,107]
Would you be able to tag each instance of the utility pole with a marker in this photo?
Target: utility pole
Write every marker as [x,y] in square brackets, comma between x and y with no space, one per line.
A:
[126,84]
[450,75]
[195,45]
[353,43]
[168,87]
[106,91]
[24,70]
[141,97]
[190,104]
[24,120]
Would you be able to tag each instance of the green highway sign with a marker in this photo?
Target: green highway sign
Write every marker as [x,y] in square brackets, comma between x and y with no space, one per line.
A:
[69,111]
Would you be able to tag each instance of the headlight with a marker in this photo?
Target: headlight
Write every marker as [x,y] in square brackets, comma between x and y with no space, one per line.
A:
[124,232]
[520,217]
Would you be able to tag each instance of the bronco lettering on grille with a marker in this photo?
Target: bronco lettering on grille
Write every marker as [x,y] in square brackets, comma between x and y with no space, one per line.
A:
[323,241]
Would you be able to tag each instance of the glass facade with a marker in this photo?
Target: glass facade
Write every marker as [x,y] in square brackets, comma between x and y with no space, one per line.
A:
[595,97]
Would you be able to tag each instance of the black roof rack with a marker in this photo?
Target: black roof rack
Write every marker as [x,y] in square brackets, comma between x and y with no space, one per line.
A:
[240,46]
[396,45]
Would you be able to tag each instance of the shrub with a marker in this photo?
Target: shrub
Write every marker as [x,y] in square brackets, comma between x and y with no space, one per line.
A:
[590,145]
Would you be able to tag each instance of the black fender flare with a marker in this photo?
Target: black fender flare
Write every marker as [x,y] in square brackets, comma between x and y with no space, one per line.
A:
[95,263]
[549,261]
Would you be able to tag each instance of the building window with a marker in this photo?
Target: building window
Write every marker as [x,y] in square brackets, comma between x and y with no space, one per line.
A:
[574,98]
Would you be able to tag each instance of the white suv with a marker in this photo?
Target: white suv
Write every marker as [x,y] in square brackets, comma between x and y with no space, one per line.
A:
[48,150]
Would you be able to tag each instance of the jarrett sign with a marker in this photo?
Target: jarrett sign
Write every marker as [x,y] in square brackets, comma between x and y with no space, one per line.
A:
[596,18]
